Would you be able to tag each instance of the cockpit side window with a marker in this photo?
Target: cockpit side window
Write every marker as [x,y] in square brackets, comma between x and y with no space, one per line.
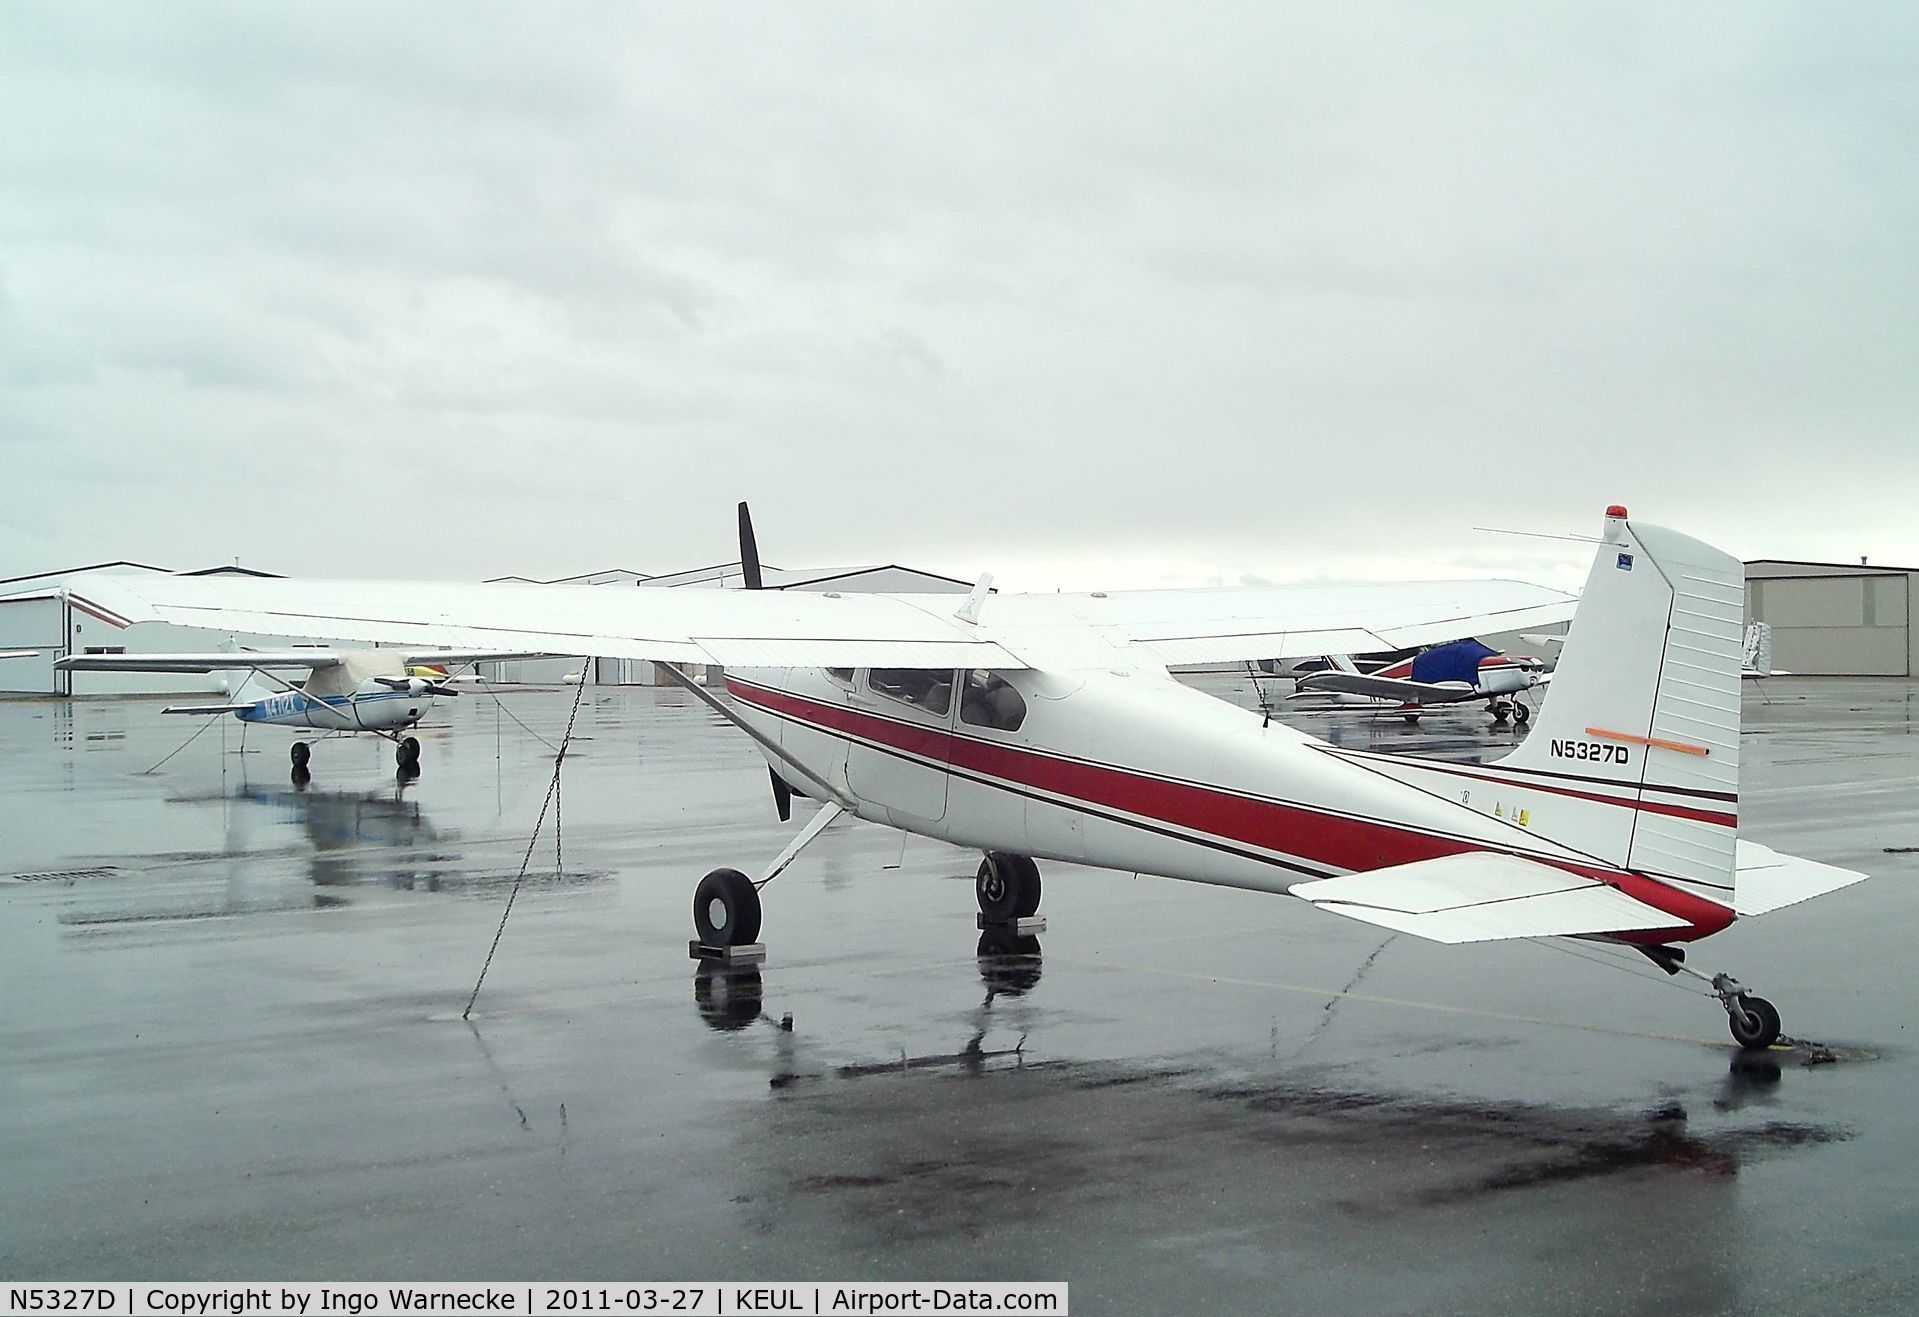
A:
[844,676]
[928,689]
[989,700]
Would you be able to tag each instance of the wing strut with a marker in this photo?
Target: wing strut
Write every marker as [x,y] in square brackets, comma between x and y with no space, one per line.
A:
[766,743]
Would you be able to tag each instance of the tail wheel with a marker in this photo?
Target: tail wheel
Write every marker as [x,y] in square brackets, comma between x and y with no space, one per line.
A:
[1007,886]
[726,909]
[1755,1024]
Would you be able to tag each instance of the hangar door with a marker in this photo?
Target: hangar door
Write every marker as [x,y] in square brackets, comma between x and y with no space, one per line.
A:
[35,621]
[1840,625]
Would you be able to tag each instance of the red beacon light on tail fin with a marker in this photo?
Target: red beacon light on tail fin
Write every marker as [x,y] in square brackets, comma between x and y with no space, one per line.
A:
[1617,510]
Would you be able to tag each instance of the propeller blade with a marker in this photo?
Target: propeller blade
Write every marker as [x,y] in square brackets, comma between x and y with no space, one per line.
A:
[393,683]
[782,793]
[438,688]
[749,553]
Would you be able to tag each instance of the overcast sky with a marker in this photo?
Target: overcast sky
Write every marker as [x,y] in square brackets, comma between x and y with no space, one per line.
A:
[1076,294]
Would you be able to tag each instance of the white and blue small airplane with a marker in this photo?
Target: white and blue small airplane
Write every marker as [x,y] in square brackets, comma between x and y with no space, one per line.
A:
[379,692]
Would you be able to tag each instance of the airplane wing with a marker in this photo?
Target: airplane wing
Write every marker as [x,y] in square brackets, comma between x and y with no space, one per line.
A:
[1482,897]
[770,628]
[293,658]
[1385,688]
[205,708]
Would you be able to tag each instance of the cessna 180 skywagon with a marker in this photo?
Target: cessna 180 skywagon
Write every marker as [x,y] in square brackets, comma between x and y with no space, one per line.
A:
[1046,727]
[1458,672]
[381,692]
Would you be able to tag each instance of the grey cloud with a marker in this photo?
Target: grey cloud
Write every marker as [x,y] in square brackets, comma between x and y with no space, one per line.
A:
[1265,286]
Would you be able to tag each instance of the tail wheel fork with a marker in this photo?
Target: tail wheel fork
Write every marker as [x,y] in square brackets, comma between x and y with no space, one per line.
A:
[1754,1021]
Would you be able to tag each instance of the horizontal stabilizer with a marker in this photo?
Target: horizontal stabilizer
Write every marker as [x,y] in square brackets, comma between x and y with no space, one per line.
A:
[1385,688]
[1482,897]
[205,708]
[1766,880]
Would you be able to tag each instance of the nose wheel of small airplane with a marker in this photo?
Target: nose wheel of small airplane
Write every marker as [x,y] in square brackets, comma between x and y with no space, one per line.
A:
[406,753]
[1007,886]
[301,754]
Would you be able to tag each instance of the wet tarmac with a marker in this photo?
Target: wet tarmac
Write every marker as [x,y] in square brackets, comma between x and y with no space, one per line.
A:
[232,1043]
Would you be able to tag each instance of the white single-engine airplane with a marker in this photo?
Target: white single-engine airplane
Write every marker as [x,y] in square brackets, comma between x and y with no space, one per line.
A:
[373,692]
[1458,672]
[1046,727]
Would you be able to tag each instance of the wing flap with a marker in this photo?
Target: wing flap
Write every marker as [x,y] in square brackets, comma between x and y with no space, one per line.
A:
[1482,897]
[1764,880]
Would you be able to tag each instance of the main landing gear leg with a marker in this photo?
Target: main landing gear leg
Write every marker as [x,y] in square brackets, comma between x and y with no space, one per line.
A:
[726,904]
[1008,889]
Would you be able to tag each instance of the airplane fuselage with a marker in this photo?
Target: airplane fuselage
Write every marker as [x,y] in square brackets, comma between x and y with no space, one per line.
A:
[370,708]
[1140,773]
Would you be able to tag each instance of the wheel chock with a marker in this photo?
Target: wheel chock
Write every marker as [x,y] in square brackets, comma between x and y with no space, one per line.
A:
[752,953]
[1030,926]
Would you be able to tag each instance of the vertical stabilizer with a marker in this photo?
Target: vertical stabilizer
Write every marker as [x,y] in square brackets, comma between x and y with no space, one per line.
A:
[1643,714]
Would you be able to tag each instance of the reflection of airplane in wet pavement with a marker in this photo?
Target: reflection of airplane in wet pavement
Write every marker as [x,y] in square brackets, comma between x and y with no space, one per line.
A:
[731,998]
[1460,672]
[382,692]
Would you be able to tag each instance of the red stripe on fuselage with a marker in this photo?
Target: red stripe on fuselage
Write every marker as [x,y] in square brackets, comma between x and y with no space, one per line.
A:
[1332,840]
[1716,817]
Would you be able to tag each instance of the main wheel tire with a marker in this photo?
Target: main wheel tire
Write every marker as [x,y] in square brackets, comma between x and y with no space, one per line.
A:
[301,753]
[1007,886]
[1029,889]
[1756,1024]
[726,909]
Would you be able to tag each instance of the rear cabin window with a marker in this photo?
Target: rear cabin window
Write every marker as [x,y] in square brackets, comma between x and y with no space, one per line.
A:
[929,689]
[989,700]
